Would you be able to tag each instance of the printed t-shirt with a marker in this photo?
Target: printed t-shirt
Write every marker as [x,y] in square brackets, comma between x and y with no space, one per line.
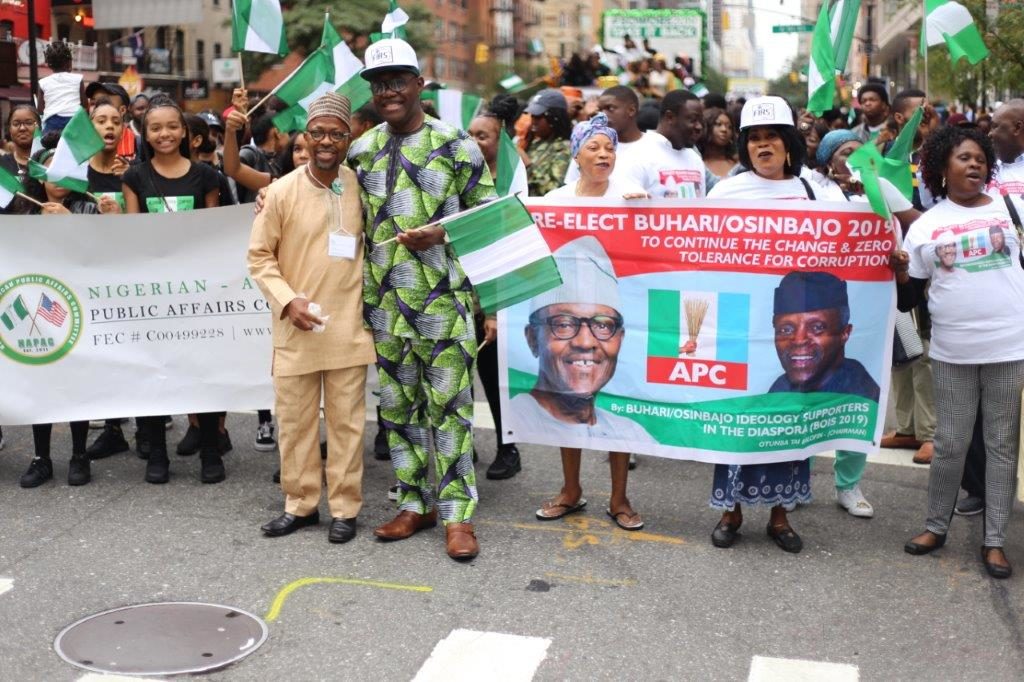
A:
[750,185]
[106,184]
[158,194]
[1008,179]
[976,296]
[672,173]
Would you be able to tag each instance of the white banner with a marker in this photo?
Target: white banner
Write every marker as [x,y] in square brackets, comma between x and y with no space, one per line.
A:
[130,315]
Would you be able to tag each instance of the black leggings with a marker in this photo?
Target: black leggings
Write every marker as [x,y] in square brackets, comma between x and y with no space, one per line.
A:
[209,428]
[487,368]
[41,438]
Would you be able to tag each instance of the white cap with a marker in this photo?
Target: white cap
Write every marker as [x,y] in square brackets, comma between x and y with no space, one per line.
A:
[390,54]
[587,277]
[766,111]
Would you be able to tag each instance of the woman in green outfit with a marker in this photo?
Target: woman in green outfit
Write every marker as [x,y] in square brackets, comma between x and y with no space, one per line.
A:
[548,147]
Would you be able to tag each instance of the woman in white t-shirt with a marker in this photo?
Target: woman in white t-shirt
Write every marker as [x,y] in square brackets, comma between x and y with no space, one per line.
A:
[968,248]
[771,147]
[592,147]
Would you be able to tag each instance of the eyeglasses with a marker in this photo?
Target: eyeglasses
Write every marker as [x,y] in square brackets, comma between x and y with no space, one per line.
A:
[379,87]
[335,135]
[28,125]
[565,327]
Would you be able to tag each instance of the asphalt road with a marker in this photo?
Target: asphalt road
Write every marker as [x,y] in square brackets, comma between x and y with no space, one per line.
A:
[662,604]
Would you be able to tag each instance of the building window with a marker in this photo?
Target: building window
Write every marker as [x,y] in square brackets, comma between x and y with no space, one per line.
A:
[440,66]
[200,56]
[217,51]
[179,52]
[6,30]
[453,31]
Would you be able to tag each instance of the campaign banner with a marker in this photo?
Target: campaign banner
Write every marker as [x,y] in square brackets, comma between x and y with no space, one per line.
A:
[726,332]
[130,315]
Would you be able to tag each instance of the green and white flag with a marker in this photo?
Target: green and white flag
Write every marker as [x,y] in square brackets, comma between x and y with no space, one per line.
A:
[502,252]
[844,23]
[37,141]
[699,89]
[512,83]
[79,141]
[821,73]
[15,313]
[344,79]
[454,107]
[258,26]
[394,22]
[951,23]
[510,165]
[10,185]
[867,161]
[896,168]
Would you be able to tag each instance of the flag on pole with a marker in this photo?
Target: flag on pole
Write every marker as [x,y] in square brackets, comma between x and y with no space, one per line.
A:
[454,107]
[258,26]
[37,141]
[896,168]
[868,162]
[15,313]
[952,23]
[844,23]
[821,73]
[512,83]
[343,78]
[510,165]
[79,141]
[10,185]
[51,311]
[394,22]
[502,252]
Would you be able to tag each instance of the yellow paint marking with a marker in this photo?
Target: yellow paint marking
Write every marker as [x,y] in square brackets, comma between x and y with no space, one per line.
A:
[286,591]
[591,580]
[583,531]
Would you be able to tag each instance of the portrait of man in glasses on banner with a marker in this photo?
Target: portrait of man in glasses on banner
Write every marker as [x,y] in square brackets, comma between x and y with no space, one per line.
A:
[575,331]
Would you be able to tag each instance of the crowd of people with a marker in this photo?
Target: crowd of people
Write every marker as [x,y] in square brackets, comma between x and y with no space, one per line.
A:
[397,297]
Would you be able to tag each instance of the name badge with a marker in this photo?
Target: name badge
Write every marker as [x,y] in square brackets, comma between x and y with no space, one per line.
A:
[340,245]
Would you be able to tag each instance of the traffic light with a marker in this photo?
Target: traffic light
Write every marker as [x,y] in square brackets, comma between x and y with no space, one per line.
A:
[483,53]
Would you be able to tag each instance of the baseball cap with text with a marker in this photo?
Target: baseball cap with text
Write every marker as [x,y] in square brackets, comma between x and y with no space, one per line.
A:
[390,54]
[766,111]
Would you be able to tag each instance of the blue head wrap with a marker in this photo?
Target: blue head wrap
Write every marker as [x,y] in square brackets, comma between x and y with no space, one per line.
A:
[598,125]
[832,142]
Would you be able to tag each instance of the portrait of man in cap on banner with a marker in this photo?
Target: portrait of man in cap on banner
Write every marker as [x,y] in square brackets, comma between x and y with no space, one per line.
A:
[811,319]
[576,331]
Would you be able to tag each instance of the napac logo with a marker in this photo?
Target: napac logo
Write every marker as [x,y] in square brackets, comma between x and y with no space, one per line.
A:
[697,338]
[40,319]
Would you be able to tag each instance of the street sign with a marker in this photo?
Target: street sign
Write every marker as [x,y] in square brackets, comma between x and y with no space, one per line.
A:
[793,28]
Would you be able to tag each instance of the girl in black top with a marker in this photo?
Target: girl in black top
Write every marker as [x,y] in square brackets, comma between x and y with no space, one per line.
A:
[107,168]
[170,182]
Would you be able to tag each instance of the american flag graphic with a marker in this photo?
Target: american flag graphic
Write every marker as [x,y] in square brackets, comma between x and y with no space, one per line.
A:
[51,311]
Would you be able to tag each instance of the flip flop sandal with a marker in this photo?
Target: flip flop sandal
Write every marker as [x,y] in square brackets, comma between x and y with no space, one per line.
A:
[624,525]
[552,512]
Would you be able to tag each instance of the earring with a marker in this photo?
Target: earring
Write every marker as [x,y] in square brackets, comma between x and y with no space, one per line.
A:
[943,182]
[789,162]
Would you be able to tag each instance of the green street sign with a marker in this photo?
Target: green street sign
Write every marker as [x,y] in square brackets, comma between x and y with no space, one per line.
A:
[793,28]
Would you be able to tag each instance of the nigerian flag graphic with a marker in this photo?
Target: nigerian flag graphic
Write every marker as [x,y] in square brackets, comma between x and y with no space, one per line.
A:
[698,338]
[15,313]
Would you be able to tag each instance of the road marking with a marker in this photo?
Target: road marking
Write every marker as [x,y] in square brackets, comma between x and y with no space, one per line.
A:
[591,580]
[470,655]
[285,592]
[96,677]
[764,669]
[6,584]
[579,530]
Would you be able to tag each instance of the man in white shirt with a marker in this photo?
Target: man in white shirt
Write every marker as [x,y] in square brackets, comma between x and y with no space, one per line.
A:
[673,168]
[1008,138]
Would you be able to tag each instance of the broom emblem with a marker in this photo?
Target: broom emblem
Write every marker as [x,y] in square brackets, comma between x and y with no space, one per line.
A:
[695,309]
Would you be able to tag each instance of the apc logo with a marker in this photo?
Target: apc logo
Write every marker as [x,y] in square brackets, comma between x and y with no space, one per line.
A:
[698,338]
[40,319]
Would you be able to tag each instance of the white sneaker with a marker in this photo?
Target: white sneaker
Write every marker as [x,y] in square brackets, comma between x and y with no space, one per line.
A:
[265,437]
[853,501]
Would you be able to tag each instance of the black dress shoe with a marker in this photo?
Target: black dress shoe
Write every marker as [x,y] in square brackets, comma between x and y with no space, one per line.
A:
[995,570]
[918,549]
[506,463]
[786,538]
[725,534]
[289,523]
[40,470]
[342,530]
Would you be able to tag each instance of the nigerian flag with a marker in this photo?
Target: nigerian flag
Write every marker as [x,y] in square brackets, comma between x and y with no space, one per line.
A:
[454,106]
[511,169]
[844,23]
[502,252]
[37,141]
[896,168]
[512,83]
[15,313]
[952,23]
[821,73]
[10,185]
[868,162]
[79,141]
[394,22]
[342,77]
[258,26]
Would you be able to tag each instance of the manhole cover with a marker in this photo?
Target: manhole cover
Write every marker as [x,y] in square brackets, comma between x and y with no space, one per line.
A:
[161,639]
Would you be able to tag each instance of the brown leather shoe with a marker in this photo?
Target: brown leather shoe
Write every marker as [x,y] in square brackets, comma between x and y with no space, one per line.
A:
[899,441]
[924,455]
[461,541]
[405,524]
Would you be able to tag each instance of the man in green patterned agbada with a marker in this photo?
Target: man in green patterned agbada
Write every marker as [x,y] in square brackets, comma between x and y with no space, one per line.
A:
[415,170]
